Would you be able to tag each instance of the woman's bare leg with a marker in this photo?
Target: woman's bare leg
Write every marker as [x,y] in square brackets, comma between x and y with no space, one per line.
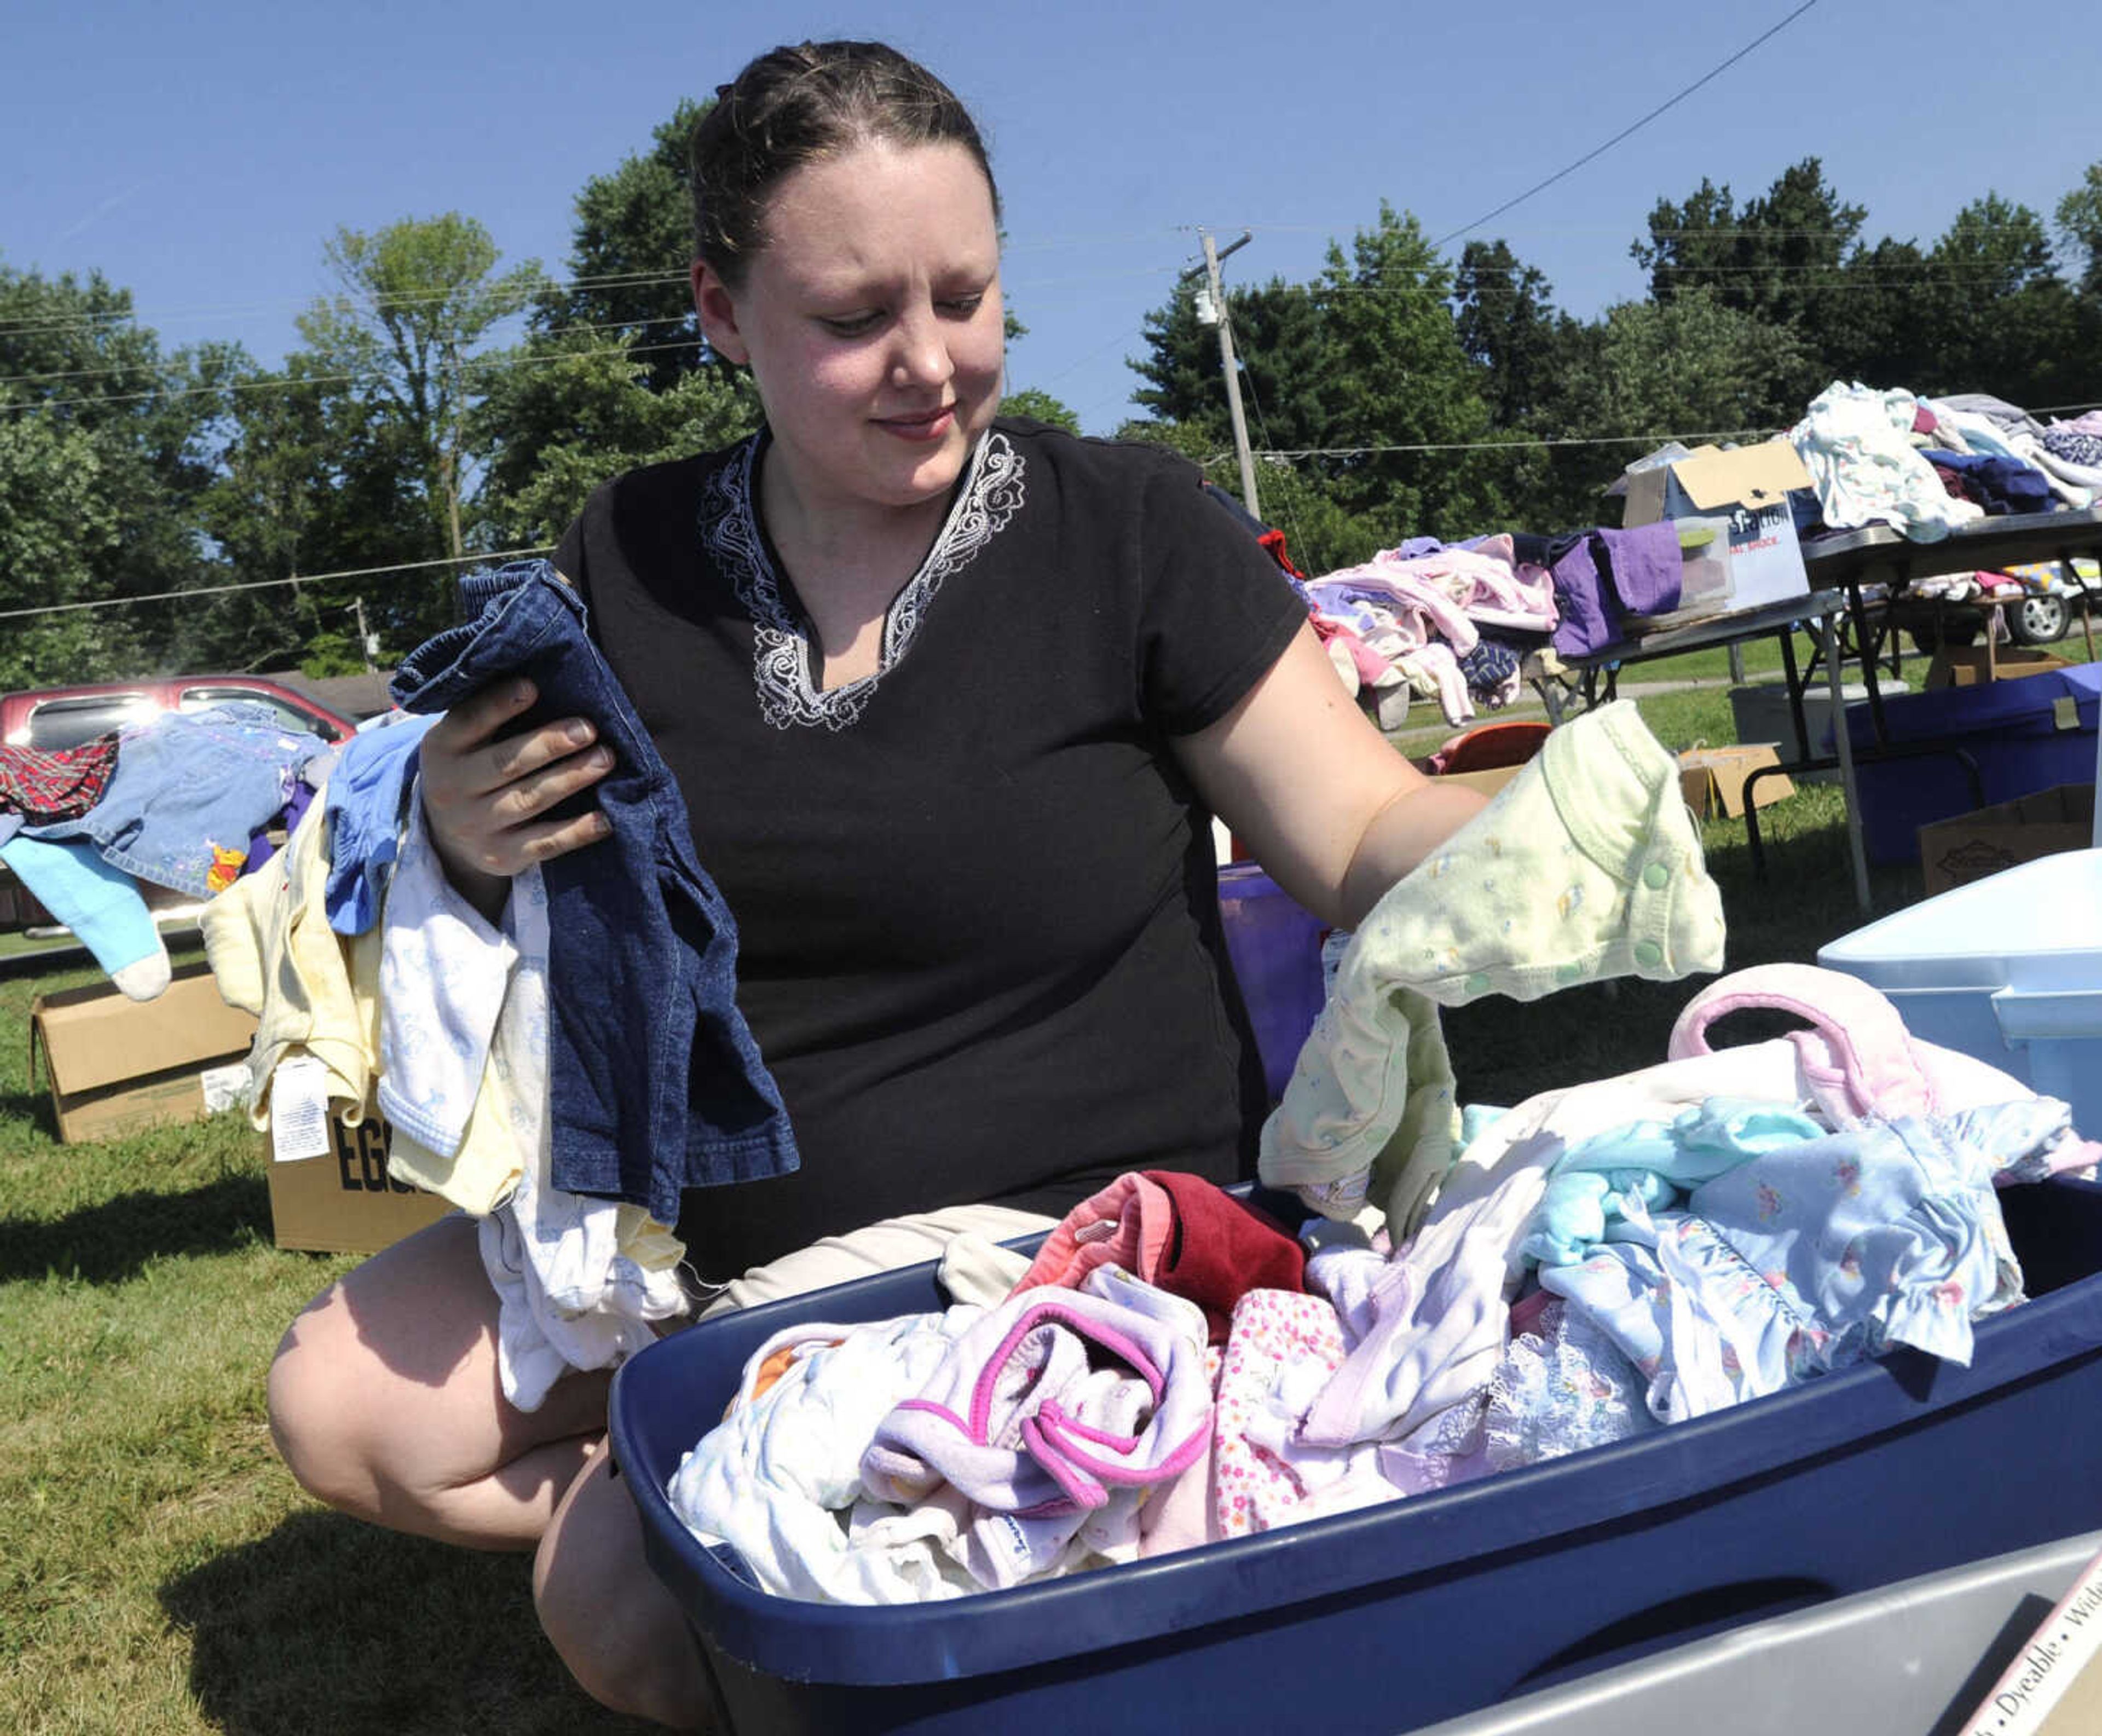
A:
[617,1628]
[385,1402]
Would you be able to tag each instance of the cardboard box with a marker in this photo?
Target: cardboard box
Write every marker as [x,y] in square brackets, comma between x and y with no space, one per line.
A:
[345,1202]
[1748,485]
[1713,779]
[116,1065]
[1972,665]
[1954,852]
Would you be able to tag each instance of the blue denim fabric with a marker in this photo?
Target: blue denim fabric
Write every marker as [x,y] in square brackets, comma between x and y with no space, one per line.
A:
[655,1081]
[189,788]
[366,794]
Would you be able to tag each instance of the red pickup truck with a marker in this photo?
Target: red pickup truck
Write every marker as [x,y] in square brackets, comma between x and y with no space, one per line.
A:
[61,716]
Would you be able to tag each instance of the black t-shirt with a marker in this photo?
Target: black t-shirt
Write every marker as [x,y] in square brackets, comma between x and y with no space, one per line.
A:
[979,940]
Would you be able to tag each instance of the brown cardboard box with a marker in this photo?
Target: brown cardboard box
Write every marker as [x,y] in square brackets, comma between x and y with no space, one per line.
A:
[1954,852]
[1747,487]
[1966,665]
[1713,778]
[345,1202]
[116,1065]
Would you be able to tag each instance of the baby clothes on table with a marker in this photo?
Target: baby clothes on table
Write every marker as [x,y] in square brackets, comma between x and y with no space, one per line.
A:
[1585,866]
[101,904]
[774,1479]
[188,790]
[1856,445]
[46,784]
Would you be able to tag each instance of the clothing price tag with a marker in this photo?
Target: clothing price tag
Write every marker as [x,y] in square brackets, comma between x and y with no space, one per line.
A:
[299,1110]
[224,1087]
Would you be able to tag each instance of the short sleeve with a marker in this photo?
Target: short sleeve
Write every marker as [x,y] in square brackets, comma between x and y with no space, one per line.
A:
[570,558]
[1216,613]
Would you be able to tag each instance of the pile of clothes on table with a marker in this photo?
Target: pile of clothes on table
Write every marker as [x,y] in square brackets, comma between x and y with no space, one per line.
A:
[1926,465]
[189,802]
[1473,1290]
[1457,622]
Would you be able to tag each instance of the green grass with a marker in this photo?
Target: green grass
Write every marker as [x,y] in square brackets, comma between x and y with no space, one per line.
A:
[160,1572]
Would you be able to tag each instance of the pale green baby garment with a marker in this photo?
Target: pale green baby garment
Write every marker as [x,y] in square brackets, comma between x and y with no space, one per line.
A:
[1586,865]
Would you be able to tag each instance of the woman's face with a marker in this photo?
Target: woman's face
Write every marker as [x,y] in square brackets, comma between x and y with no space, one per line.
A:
[871,322]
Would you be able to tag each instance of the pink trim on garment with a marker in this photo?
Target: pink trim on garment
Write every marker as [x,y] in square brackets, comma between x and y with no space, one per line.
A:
[1036,1314]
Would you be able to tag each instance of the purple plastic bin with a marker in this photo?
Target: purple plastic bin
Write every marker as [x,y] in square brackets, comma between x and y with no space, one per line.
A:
[1275,946]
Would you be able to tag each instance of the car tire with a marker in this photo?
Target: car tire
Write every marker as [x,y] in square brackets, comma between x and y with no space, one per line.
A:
[2037,620]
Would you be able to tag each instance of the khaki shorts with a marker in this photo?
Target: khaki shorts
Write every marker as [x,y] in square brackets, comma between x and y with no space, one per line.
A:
[875,1247]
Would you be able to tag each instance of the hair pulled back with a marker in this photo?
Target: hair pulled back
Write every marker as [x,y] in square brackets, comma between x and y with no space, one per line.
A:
[799,105]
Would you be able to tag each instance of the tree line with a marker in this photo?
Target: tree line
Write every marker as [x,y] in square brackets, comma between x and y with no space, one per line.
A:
[442,403]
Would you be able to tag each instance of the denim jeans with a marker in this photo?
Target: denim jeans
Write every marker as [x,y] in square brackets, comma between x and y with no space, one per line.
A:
[656,1084]
[189,789]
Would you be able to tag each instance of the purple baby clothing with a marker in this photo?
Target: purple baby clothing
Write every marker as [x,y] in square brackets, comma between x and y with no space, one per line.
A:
[1642,564]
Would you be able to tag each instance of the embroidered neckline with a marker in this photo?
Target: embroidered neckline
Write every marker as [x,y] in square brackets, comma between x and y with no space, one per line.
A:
[991,493]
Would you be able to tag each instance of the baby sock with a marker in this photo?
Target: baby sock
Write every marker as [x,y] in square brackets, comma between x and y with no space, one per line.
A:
[101,904]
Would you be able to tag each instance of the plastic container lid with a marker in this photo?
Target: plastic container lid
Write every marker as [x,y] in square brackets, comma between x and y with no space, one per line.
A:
[2038,925]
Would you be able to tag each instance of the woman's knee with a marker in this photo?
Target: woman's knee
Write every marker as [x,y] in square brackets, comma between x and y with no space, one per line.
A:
[614,1624]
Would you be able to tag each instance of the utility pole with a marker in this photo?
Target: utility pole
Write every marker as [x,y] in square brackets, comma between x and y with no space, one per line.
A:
[1231,369]
[364,638]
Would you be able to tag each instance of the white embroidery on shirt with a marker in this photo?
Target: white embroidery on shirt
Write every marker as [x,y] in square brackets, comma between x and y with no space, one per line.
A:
[991,494]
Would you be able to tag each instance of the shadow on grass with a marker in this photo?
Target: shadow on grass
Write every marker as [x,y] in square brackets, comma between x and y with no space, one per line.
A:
[334,1627]
[31,1108]
[112,1241]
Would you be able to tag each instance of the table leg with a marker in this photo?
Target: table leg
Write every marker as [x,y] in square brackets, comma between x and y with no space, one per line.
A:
[1842,740]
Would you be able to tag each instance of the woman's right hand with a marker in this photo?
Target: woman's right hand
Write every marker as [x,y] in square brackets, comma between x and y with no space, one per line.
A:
[485,793]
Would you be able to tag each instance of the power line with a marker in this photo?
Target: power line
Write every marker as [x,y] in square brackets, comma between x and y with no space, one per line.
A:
[1671,102]
[263,585]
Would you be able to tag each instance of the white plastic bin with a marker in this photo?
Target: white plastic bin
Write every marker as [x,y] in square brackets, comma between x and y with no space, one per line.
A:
[1899,1662]
[2008,968]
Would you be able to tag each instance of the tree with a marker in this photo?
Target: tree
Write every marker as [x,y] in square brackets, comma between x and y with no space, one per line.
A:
[613,372]
[1782,259]
[1689,367]
[2000,319]
[2080,224]
[630,244]
[416,300]
[1508,325]
[1040,406]
[1406,397]
[108,445]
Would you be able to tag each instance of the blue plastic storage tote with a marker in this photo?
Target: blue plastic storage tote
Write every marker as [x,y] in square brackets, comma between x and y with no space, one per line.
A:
[2023,735]
[2008,968]
[1275,946]
[1441,1604]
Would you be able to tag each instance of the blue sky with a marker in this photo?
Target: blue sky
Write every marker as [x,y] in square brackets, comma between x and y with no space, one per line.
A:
[199,156]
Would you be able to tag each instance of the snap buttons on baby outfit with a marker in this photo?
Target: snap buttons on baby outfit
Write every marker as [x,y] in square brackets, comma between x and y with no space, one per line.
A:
[1655,875]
